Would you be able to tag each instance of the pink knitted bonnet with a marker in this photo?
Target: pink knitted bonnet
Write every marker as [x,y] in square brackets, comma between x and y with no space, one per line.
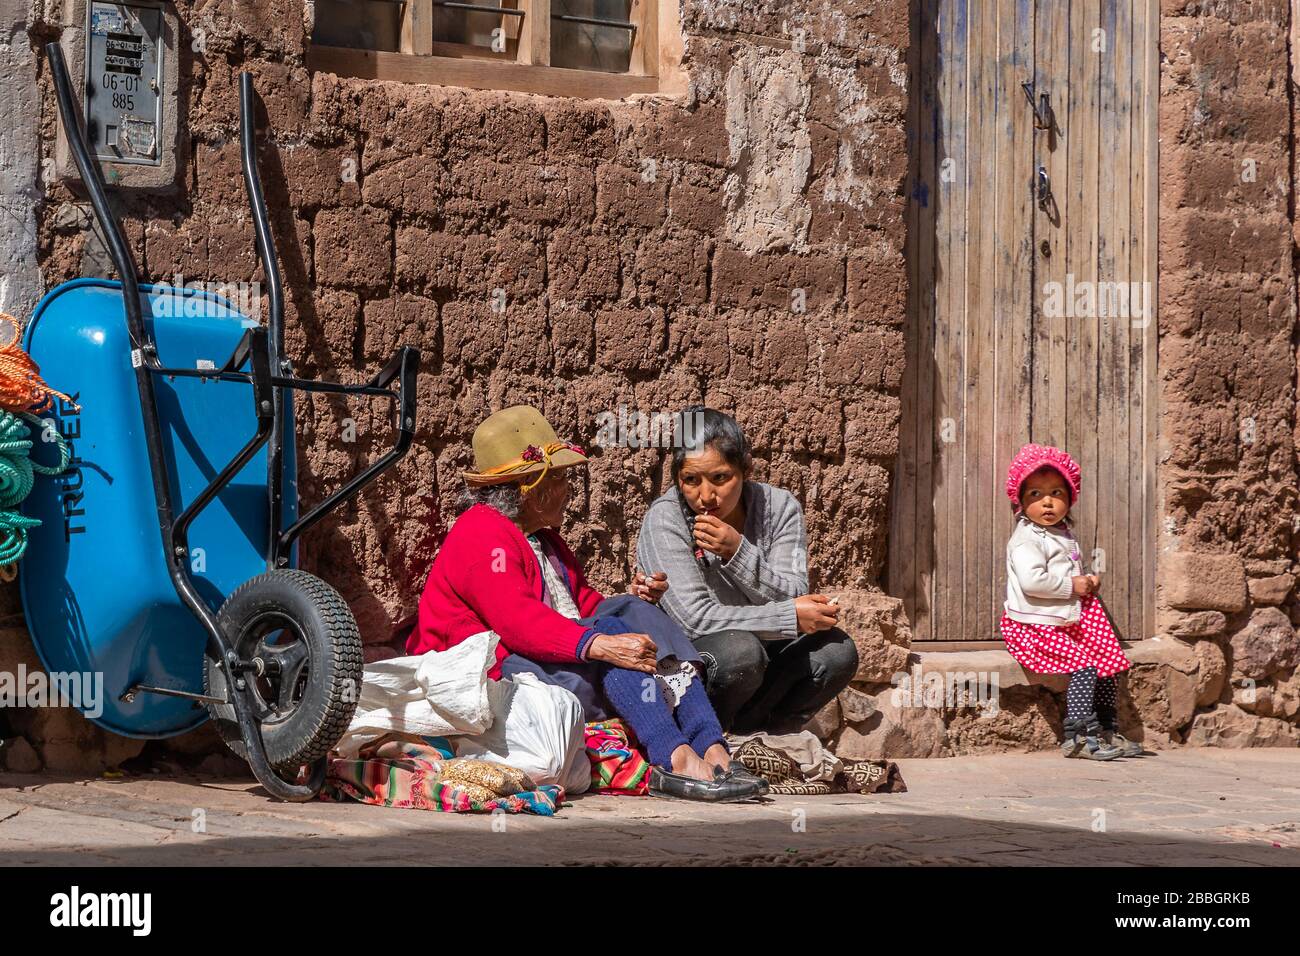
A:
[1032,457]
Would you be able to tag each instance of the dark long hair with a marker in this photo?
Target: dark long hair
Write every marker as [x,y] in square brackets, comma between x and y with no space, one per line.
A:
[699,427]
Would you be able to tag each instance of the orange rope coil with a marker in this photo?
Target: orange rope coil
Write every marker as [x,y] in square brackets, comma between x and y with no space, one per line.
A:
[21,387]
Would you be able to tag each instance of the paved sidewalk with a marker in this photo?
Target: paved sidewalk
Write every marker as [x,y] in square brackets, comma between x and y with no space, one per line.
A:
[1190,807]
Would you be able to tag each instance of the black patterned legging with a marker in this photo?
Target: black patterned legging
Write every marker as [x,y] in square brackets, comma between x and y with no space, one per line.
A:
[1089,694]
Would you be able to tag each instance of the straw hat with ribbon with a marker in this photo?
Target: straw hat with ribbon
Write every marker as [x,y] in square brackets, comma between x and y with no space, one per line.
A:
[516,444]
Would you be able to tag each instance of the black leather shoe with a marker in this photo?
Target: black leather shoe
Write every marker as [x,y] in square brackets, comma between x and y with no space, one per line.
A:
[721,789]
[739,771]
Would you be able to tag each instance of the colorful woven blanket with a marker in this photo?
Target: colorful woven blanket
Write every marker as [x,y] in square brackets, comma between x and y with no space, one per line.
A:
[423,774]
[617,766]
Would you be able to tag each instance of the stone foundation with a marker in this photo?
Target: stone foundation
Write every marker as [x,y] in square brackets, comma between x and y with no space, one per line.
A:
[1199,689]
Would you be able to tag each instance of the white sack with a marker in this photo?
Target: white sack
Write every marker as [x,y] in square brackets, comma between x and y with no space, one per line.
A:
[537,728]
[431,695]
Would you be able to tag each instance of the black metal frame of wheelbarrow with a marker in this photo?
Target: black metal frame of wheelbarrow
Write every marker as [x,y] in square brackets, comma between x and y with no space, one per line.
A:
[262,347]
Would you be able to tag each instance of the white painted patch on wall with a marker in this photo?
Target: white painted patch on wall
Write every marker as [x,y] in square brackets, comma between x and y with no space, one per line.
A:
[770,152]
[20,191]
[846,182]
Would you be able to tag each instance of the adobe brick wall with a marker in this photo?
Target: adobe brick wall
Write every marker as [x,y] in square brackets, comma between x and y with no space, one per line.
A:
[618,290]
[1224,670]
[1227,559]
[649,253]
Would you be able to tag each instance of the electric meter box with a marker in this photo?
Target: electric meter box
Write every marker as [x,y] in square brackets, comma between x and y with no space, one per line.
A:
[126,55]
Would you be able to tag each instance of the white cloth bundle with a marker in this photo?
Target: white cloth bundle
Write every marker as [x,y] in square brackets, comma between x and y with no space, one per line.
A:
[538,728]
[429,695]
[523,723]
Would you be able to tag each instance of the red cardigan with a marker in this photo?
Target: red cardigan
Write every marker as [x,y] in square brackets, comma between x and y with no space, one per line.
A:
[486,577]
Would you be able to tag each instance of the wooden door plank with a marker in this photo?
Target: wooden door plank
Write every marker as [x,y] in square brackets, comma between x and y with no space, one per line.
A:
[947,194]
[950,367]
[1080,330]
[1150,10]
[1013,269]
[1110,355]
[901,576]
[1001,315]
[924,435]
[1137,525]
[1120,534]
[1051,75]
[980,210]
[1137,271]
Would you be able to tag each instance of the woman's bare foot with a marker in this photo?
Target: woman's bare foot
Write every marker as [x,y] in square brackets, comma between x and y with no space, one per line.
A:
[717,756]
[689,764]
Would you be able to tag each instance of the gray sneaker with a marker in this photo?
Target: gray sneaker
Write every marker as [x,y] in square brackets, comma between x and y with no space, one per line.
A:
[1127,748]
[1082,740]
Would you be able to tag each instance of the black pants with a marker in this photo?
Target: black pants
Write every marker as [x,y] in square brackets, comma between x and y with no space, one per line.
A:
[774,686]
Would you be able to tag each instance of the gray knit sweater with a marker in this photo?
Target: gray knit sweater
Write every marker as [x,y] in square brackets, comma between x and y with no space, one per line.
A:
[755,590]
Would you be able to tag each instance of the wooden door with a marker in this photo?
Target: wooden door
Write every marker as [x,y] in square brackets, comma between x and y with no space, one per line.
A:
[1032,255]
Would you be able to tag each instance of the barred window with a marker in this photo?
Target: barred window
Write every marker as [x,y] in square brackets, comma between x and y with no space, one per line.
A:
[600,48]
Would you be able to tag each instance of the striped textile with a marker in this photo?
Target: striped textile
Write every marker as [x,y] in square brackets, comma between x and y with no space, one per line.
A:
[617,766]
[423,774]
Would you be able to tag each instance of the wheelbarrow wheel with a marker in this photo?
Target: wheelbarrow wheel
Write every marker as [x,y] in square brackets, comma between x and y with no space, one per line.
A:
[303,640]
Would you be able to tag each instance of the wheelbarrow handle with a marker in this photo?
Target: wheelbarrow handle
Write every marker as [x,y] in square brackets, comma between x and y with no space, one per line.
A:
[406,363]
[404,368]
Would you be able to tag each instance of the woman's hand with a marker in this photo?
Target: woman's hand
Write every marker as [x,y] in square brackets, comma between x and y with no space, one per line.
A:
[634,651]
[650,588]
[715,535]
[815,612]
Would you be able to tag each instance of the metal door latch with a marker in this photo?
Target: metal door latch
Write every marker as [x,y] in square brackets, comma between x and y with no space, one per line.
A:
[1043,117]
[1044,190]
[1043,194]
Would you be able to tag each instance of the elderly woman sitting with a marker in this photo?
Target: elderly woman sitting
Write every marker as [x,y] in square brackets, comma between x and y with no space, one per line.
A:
[504,568]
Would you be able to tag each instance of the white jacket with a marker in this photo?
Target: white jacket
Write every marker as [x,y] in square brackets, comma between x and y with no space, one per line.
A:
[1041,563]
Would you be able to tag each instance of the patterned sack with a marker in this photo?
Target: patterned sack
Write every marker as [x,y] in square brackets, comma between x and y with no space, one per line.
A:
[871,776]
[617,766]
[782,774]
[785,776]
[420,773]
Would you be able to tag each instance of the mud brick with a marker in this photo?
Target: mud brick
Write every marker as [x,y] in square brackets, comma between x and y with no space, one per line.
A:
[354,247]
[771,279]
[630,339]
[672,271]
[625,198]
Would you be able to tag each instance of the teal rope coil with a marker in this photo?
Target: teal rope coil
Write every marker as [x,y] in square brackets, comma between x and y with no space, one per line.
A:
[17,477]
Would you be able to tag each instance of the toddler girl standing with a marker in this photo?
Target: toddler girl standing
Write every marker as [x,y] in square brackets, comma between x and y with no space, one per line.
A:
[1052,622]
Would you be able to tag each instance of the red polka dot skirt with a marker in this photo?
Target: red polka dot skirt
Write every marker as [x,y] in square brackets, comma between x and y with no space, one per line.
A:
[1049,649]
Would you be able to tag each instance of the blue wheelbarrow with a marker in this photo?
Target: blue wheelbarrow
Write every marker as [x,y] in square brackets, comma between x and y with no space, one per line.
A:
[166,555]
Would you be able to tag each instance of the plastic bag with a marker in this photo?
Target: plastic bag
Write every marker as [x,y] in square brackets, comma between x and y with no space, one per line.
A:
[429,695]
[537,728]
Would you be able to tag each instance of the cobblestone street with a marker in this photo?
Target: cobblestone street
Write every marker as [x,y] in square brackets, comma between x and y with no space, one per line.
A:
[1181,807]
